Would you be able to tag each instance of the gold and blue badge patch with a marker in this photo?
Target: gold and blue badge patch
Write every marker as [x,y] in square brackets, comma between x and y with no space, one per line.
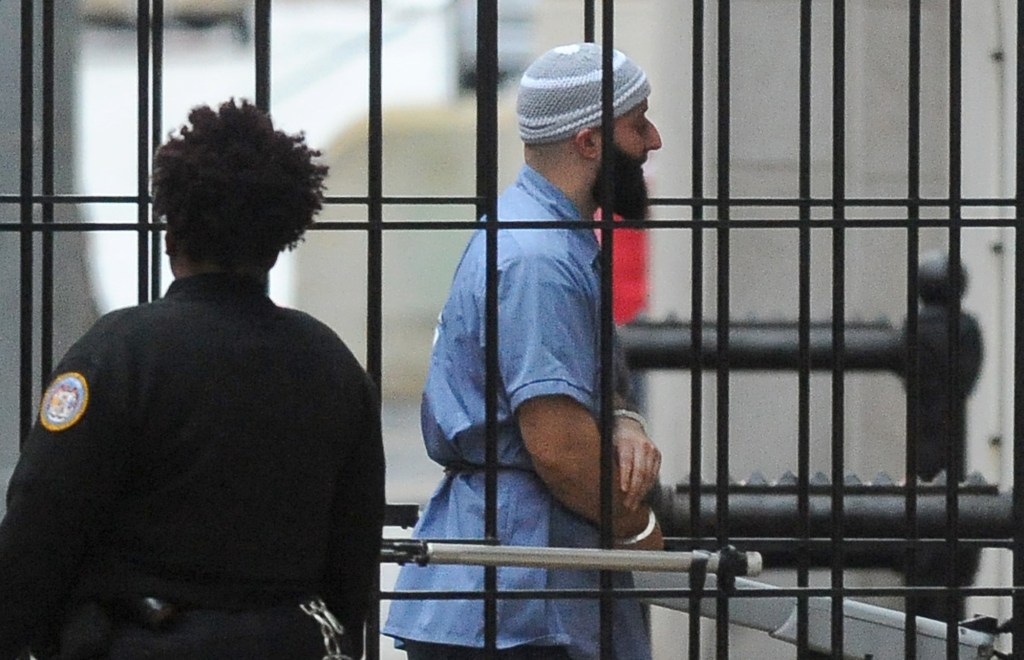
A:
[64,401]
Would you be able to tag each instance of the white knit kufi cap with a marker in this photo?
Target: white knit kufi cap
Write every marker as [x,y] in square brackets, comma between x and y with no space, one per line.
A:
[560,93]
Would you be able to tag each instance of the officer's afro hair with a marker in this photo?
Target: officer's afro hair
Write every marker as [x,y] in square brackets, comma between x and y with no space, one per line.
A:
[232,189]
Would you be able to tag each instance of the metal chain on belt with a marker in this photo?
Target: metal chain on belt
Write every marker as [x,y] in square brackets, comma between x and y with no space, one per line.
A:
[329,627]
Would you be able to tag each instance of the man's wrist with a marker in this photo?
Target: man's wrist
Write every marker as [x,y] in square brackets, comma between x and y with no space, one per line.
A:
[652,522]
[635,416]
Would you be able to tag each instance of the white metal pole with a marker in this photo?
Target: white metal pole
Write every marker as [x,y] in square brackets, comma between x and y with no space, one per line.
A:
[580,558]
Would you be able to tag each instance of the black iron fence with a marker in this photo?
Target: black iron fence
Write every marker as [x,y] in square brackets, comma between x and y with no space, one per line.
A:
[801,521]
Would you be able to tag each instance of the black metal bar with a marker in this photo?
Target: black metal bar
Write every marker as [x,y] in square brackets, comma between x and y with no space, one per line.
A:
[46,284]
[697,288]
[1006,204]
[27,393]
[1018,360]
[375,248]
[762,345]
[261,41]
[607,226]
[487,191]
[156,135]
[870,511]
[142,150]
[828,202]
[912,381]
[722,301]
[418,225]
[838,315]
[590,21]
[423,225]
[375,196]
[804,339]
[954,446]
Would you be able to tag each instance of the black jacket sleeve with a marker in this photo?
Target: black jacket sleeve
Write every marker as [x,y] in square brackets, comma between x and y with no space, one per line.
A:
[358,517]
[58,500]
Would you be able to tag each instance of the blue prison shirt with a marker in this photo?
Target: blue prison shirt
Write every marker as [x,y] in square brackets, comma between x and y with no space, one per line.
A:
[549,344]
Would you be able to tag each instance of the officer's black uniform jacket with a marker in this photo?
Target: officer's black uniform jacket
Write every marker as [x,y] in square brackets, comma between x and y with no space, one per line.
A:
[229,456]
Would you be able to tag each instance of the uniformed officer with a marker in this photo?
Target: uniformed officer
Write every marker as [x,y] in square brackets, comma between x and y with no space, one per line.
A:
[206,475]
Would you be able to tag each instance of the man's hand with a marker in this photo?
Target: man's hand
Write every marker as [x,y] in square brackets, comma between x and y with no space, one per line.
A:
[565,446]
[638,459]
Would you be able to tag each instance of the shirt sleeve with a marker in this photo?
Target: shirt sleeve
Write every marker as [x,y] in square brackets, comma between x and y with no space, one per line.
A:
[547,330]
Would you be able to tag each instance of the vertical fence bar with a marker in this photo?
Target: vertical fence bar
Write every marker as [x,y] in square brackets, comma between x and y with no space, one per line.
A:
[804,329]
[375,253]
[953,440]
[487,196]
[589,20]
[697,297]
[607,226]
[838,313]
[142,151]
[375,197]
[261,41]
[722,331]
[912,381]
[47,238]
[26,207]
[157,95]
[1018,356]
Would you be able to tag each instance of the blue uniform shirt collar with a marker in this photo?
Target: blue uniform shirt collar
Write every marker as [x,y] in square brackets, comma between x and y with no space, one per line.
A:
[545,192]
[537,187]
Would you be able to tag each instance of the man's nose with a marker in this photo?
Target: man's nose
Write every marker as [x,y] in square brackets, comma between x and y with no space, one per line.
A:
[653,139]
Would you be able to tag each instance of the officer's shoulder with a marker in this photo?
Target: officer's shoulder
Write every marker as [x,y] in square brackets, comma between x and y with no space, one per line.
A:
[316,335]
[117,322]
[112,333]
[130,325]
[306,323]
[302,318]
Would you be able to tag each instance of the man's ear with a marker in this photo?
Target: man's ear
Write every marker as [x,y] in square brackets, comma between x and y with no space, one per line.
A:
[588,143]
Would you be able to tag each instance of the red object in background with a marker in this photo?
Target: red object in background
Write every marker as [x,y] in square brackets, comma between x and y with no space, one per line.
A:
[629,272]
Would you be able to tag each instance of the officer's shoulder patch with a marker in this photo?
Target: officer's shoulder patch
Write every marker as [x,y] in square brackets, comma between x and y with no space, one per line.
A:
[64,401]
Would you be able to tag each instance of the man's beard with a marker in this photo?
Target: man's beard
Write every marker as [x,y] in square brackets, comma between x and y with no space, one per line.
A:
[629,188]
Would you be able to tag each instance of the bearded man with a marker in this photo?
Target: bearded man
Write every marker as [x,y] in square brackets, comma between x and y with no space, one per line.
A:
[549,398]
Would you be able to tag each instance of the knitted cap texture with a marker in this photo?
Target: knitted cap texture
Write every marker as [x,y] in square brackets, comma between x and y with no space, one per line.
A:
[560,93]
